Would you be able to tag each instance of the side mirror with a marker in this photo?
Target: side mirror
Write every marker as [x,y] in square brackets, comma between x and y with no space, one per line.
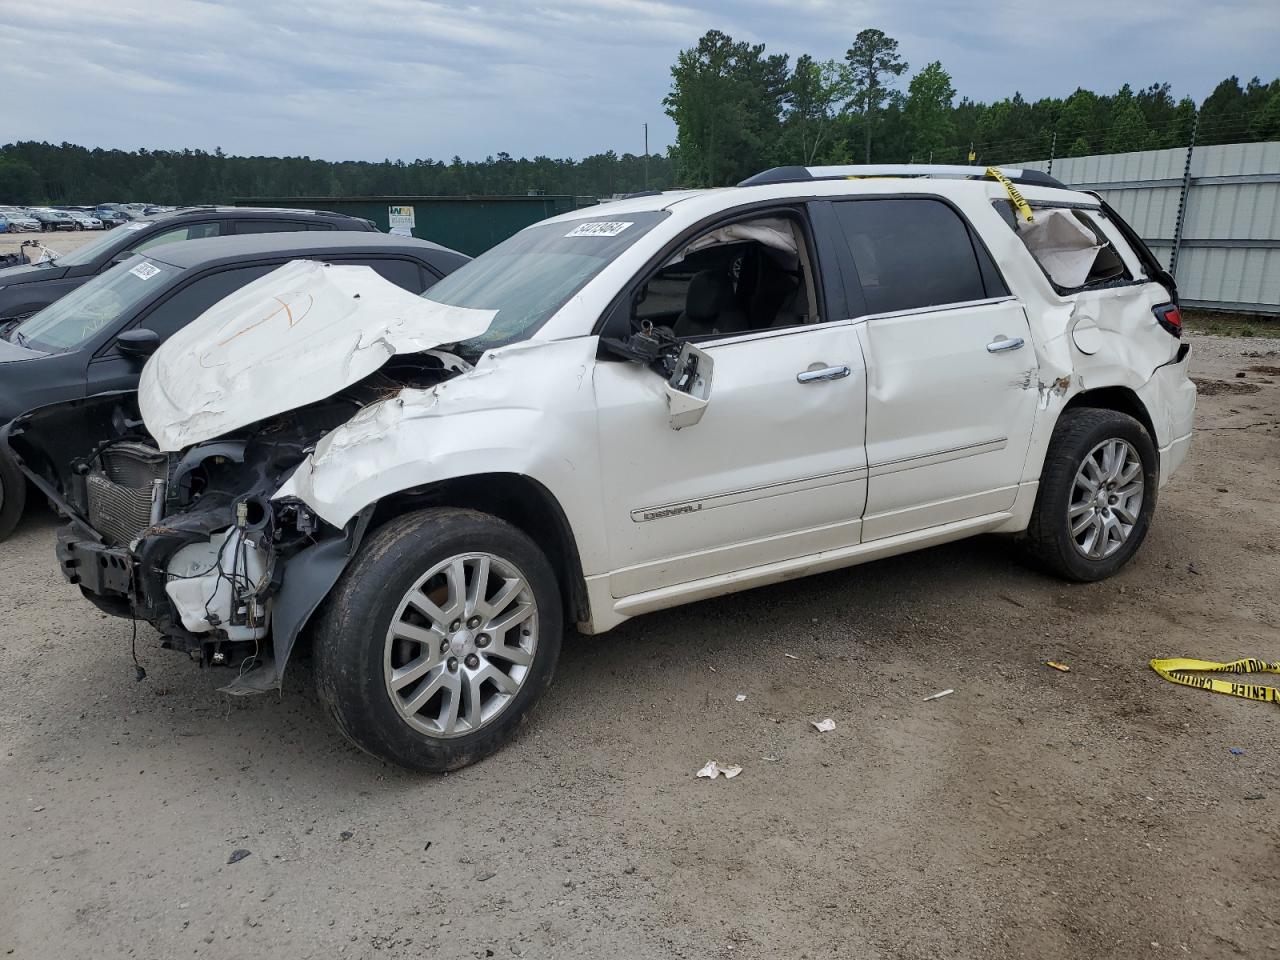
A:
[688,389]
[139,342]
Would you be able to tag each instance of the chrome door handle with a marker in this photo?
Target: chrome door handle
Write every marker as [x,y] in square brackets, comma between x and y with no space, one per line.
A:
[824,373]
[1004,343]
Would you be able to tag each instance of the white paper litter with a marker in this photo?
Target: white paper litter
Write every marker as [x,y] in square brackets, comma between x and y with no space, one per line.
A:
[791,656]
[938,696]
[740,697]
[714,769]
[824,726]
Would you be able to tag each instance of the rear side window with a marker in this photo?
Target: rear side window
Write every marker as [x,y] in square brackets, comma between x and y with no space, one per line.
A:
[271,226]
[1076,248]
[188,231]
[405,274]
[915,252]
[195,298]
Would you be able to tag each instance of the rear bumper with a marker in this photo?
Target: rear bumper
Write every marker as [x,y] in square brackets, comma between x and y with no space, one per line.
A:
[1171,457]
[1170,399]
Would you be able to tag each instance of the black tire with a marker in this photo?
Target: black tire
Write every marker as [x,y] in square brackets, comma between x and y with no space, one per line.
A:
[13,495]
[350,636]
[1048,540]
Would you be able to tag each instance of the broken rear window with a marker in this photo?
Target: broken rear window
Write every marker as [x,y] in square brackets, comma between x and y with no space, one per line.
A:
[533,274]
[1071,248]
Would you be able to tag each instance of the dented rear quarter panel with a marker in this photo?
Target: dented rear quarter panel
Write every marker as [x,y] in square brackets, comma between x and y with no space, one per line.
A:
[1128,348]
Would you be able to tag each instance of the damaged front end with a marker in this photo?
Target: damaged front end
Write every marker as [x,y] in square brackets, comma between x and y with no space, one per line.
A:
[192,541]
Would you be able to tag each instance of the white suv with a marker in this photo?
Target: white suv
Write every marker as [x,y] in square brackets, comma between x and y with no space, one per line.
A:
[619,410]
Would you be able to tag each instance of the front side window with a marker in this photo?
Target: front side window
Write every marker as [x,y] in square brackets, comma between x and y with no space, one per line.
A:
[749,275]
[89,252]
[99,304]
[197,297]
[531,275]
[189,231]
[911,253]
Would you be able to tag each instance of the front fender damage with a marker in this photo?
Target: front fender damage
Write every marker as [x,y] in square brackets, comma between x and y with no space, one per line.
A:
[520,410]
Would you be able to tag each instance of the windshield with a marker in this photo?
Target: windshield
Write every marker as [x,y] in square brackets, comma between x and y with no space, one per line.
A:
[530,276]
[74,320]
[88,252]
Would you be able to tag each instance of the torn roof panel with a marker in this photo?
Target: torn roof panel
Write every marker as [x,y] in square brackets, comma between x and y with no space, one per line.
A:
[294,337]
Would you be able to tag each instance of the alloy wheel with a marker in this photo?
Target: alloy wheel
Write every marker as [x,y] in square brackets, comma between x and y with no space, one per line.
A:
[460,644]
[1106,499]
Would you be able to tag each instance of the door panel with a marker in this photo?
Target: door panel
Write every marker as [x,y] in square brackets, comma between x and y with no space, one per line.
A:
[948,420]
[775,469]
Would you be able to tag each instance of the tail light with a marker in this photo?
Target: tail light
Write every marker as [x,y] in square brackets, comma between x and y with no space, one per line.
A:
[1169,317]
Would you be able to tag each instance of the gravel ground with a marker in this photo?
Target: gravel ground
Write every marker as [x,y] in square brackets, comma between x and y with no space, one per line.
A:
[60,241]
[1095,814]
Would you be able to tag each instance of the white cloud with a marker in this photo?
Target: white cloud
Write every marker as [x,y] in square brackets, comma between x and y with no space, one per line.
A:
[415,78]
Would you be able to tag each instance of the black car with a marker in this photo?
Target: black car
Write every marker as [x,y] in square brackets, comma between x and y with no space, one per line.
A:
[26,289]
[111,218]
[53,219]
[97,338]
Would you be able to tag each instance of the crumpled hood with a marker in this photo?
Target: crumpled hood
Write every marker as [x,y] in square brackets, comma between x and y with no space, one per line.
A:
[294,337]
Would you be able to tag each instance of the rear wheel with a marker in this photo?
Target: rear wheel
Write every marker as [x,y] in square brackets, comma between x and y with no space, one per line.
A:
[1097,495]
[438,639]
[13,495]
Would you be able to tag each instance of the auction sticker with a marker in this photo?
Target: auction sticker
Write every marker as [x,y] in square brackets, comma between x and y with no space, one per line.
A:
[599,228]
[145,271]
[136,226]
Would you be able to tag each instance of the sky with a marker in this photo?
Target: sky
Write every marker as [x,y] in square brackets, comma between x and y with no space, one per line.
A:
[405,79]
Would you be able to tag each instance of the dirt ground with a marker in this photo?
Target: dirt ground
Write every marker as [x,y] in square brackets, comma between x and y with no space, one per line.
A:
[60,241]
[1093,814]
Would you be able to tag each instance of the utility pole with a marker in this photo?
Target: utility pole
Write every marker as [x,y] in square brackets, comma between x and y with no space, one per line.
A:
[646,156]
[1053,148]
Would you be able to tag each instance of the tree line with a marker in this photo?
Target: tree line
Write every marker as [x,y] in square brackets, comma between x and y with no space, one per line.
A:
[66,173]
[738,109]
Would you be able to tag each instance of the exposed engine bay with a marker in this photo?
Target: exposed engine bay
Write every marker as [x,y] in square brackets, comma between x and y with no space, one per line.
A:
[192,541]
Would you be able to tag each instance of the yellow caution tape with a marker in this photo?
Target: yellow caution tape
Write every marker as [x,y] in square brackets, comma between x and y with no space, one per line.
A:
[1181,670]
[1015,197]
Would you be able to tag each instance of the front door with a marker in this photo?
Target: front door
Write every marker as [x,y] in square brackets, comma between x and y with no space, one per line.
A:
[775,469]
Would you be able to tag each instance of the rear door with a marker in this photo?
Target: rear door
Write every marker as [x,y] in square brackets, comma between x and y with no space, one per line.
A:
[951,373]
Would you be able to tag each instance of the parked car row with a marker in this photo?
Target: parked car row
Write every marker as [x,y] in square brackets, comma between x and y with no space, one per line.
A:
[15,219]
[618,410]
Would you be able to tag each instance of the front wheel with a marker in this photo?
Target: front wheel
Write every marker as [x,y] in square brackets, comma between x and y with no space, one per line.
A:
[438,639]
[13,495]
[1097,495]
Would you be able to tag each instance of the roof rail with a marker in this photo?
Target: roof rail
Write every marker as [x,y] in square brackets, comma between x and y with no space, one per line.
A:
[856,170]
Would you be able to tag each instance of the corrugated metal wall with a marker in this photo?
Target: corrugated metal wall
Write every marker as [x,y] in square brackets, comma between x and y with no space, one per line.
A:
[1228,256]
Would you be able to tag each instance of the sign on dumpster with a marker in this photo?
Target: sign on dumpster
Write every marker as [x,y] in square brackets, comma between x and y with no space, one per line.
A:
[400,217]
